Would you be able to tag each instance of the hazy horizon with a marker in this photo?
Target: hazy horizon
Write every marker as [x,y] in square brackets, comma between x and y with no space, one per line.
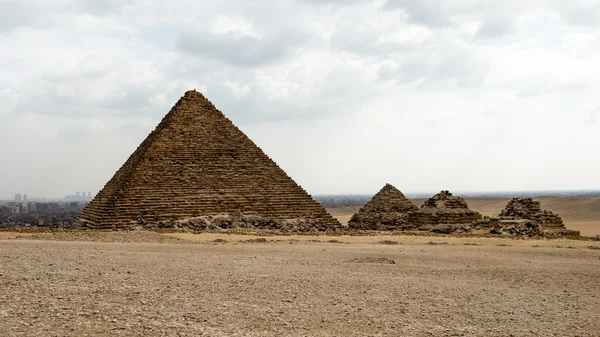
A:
[344,95]
[539,193]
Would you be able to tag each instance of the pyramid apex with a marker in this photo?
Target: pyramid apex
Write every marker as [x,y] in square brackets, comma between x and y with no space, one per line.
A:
[193,94]
[445,193]
[389,187]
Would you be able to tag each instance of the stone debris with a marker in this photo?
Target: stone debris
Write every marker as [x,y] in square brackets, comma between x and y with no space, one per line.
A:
[517,228]
[387,210]
[197,170]
[223,222]
[441,210]
[370,259]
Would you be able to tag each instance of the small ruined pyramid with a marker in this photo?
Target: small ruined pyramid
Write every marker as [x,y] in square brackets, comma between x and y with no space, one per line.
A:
[444,208]
[525,217]
[197,170]
[387,210]
[528,209]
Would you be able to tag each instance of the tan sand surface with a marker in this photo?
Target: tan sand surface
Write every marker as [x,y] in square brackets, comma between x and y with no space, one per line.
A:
[124,284]
[399,239]
[12,235]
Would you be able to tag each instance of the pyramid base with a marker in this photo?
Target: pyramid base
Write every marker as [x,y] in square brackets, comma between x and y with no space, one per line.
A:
[379,222]
[222,222]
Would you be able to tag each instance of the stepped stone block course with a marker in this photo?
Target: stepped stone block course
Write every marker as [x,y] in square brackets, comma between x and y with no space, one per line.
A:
[198,170]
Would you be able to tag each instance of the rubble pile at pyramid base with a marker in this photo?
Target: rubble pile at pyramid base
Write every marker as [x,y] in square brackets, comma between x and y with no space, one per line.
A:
[443,209]
[229,222]
[379,222]
[387,210]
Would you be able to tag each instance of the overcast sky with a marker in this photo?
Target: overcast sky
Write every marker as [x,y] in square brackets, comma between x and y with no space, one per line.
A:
[346,95]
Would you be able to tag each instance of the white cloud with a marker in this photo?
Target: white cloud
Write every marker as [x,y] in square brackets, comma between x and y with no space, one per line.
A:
[346,95]
[237,90]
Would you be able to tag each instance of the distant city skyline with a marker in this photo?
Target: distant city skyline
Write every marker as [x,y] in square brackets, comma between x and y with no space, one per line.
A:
[25,197]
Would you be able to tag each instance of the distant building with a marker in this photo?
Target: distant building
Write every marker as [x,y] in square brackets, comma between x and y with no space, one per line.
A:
[18,198]
[16,209]
[79,196]
[24,197]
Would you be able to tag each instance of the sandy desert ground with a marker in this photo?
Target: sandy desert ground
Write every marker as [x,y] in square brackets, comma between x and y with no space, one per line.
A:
[151,284]
[578,213]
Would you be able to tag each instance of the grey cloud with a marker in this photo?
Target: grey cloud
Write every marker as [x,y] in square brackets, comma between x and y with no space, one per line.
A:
[135,130]
[580,13]
[15,14]
[242,51]
[495,18]
[333,2]
[437,68]
[425,12]
[364,42]
[104,7]
[341,92]
[132,98]
[72,134]
[82,133]
[496,27]
[544,86]
[77,96]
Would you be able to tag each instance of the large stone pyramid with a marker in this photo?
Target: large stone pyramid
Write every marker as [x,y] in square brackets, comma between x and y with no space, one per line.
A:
[387,210]
[198,170]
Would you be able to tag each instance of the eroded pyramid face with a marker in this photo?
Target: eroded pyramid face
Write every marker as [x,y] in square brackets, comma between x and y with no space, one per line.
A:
[198,165]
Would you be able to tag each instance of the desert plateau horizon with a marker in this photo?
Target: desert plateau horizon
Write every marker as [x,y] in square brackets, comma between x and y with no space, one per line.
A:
[411,195]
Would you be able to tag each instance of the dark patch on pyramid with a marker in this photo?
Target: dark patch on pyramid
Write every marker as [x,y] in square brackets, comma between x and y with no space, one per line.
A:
[387,210]
[443,208]
[198,170]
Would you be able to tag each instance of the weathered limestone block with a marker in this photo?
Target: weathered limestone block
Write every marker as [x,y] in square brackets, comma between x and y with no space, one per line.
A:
[485,222]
